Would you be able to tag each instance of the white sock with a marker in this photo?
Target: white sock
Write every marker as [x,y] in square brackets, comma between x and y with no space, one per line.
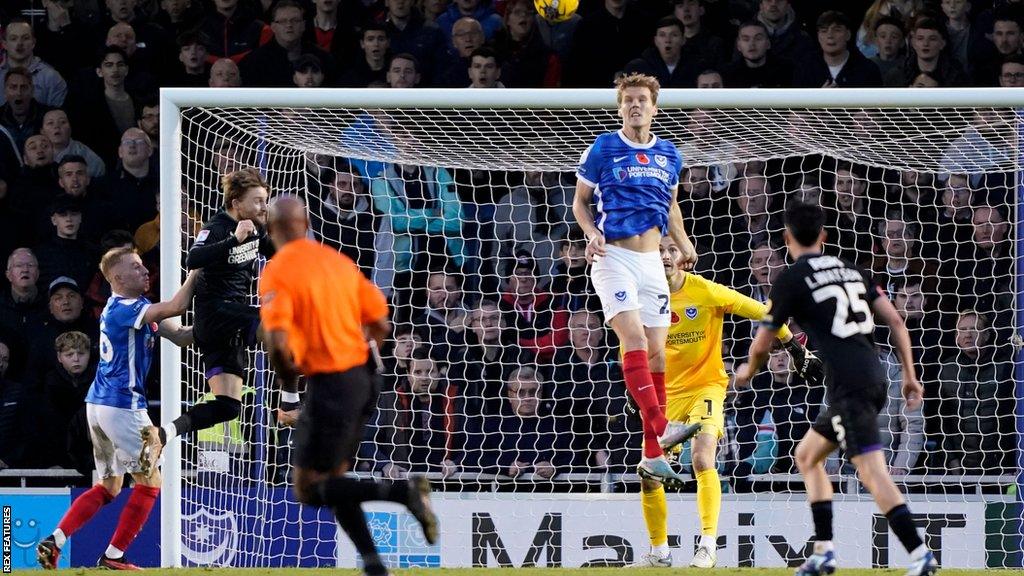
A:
[170,430]
[59,538]
[113,553]
[661,550]
[822,546]
[708,541]
[919,552]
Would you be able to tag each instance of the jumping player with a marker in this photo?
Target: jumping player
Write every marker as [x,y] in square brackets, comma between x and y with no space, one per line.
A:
[225,250]
[116,405]
[695,386]
[633,177]
[315,306]
[836,303]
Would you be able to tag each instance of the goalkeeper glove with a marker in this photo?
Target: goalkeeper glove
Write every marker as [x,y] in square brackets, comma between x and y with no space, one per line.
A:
[805,363]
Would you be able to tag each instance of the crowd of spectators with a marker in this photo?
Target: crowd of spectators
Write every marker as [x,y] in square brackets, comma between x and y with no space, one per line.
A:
[499,361]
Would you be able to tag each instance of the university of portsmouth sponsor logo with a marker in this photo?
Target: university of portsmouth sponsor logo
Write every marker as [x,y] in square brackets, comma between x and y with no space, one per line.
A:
[691,312]
[660,160]
[620,295]
[642,158]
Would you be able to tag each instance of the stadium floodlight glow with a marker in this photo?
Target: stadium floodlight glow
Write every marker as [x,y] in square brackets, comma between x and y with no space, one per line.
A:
[224,499]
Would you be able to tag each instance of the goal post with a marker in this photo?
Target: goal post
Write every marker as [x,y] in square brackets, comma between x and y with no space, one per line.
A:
[883,133]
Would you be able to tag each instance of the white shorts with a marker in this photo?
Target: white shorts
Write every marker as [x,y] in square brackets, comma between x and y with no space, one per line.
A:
[626,280]
[116,438]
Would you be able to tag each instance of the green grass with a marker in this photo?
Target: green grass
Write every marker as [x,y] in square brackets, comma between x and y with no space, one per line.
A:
[542,572]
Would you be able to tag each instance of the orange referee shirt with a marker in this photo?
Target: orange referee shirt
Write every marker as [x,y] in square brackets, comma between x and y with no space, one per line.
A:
[321,299]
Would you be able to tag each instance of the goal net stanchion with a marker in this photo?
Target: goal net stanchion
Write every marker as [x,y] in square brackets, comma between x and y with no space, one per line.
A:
[907,177]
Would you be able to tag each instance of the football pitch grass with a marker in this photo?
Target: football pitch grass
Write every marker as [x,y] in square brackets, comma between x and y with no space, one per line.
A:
[543,572]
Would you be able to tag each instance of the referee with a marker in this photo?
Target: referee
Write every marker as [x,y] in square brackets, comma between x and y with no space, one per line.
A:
[316,305]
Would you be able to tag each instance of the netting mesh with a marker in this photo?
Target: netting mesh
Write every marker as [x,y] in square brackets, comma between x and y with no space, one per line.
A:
[500,375]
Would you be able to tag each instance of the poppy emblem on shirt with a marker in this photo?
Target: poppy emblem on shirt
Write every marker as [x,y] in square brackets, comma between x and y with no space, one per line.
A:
[691,312]
[660,160]
[675,317]
[620,295]
[642,158]
[620,174]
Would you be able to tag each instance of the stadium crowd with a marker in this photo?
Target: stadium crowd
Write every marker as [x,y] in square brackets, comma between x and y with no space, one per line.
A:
[499,361]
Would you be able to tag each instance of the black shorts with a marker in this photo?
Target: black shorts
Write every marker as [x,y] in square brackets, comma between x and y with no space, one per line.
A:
[335,409]
[851,421]
[222,332]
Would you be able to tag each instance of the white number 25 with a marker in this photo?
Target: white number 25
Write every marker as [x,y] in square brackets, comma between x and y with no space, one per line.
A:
[849,298]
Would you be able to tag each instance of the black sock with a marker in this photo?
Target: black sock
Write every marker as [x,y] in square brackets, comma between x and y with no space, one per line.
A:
[202,416]
[352,520]
[341,489]
[822,514]
[902,524]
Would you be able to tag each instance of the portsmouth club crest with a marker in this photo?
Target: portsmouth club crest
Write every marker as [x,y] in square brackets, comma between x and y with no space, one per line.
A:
[660,160]
[209,538]
[620,295]
[691,312]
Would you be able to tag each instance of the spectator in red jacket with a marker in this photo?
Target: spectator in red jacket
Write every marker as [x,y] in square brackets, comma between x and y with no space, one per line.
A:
[538,318]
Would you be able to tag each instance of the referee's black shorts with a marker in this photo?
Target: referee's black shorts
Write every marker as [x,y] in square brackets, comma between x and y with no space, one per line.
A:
[335,408]
[222,332]
[851,419]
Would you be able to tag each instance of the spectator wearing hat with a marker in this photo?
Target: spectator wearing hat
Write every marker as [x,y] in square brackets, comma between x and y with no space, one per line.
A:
[193,70]
[74,181]
[57,128]
[270,65]
[403,71]
[308,72]
[664,60]
[538,317]
[66,253]
[370,65]
[755,66]
[64,314]
[839,64]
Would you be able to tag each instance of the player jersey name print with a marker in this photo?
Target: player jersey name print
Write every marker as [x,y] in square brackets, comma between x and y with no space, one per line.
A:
[632,182]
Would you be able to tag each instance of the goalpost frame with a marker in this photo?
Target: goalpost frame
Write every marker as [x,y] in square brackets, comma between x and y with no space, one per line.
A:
[173,100]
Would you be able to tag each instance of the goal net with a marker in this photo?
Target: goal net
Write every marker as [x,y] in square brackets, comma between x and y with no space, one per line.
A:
[501,382]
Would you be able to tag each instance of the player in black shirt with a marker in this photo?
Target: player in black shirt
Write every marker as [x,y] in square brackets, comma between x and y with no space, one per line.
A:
[835,303]
[226,251]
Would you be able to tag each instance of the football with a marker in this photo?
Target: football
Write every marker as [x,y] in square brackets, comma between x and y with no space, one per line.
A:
[556,10]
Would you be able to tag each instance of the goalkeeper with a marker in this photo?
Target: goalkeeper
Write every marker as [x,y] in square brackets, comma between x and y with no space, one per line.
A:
[695,385]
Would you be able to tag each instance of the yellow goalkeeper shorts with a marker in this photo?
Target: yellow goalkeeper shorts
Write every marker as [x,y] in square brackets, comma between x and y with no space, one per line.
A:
[704,405]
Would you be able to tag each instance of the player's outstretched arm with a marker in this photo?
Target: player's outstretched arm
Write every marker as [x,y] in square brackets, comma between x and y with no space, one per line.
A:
[912,389]
[677,230]
[172,330]
[585,218]
[176,306]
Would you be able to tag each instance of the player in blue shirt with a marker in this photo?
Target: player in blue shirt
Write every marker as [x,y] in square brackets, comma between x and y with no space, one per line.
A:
[116,405]
[625,202]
